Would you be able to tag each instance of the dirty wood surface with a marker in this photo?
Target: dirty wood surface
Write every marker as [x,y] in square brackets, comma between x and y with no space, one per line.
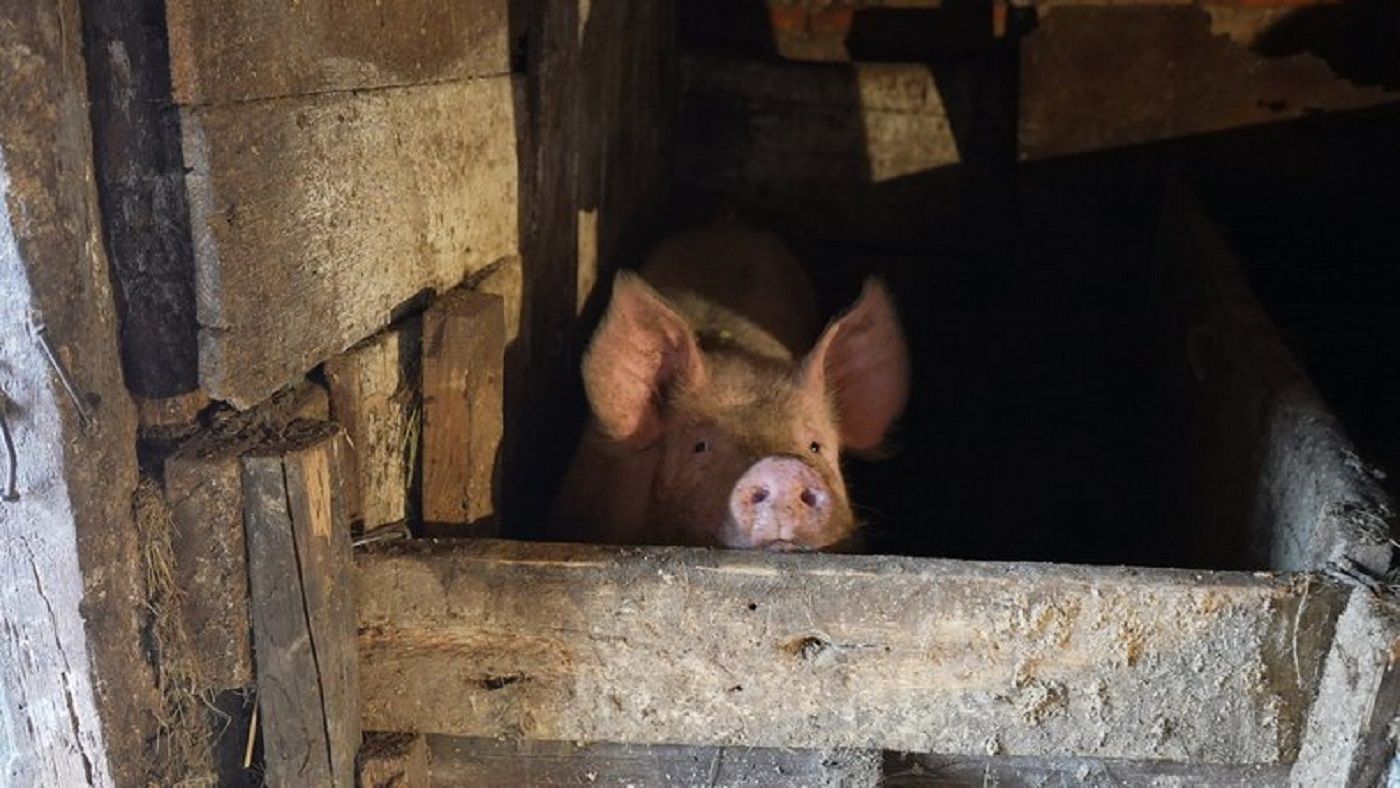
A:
[374,396]
[1350,735]
[463,378]
[238,50]
[323,215]
[205,495]
[657,645]
[397,760]
[303,613]
[1274,479]
[531,764]
[1163,72]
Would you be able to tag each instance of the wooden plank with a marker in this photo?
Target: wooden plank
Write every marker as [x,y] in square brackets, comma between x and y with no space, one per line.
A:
[1159,73]
[463,375]
[1350,735]
[140,180]
[375,397]
[1269,471]
[849,154]
[78,705]
[667,645]
[235,51]
[303,616]
[457,761]
[936,771]
[396,760]
[323,215]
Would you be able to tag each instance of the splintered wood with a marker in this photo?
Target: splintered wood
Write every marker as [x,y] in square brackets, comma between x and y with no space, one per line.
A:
[463,358]
[657,645]
[303,615]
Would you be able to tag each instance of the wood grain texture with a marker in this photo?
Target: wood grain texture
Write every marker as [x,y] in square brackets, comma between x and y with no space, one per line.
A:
[325,214]
[374,396]
[532,764]
[575,643]
[303,615]
[463,421]
[248,49]
[398,760]
[1351,730]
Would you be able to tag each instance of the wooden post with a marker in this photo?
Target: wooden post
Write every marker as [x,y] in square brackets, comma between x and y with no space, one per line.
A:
[374,397]
[463,358]
[296,506]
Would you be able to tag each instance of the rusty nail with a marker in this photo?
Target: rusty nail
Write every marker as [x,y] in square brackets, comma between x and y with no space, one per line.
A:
[11,493]
[84,416]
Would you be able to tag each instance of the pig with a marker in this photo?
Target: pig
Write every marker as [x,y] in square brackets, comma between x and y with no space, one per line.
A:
[721,406]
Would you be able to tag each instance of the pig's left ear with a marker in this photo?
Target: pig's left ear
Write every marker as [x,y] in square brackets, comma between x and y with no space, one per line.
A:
[862,364]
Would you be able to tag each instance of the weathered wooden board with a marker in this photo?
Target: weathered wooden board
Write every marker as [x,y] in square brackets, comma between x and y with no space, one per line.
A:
[141,182]
[303,614]
[848,154]
[1269,471]
[204,490]
[574,643]
[247,49]
[1157,73]
[463,401]
[374,396]
[532,764]
[936,771]
[315,218]
[1351,731]
[78,704]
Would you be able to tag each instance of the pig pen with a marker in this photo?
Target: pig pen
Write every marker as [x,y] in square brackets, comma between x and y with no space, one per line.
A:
[292,319]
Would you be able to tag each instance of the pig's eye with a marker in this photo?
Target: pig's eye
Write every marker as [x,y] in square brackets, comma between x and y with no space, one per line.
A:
[701,447]
[815,448]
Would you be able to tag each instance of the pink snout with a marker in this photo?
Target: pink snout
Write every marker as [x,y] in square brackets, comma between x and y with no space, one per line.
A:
[780,503]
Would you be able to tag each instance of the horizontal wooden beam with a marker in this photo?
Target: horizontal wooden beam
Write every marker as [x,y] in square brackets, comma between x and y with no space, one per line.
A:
[238,50]
[664,645]
[324,216]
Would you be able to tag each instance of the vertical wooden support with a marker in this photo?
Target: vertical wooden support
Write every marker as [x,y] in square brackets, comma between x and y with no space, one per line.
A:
[374,397]
[296,507]
[463,357]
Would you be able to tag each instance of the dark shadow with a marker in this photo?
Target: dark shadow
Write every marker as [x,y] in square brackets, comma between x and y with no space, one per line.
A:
[1359,39]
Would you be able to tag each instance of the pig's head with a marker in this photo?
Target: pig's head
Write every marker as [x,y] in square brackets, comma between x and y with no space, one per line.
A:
[747,447]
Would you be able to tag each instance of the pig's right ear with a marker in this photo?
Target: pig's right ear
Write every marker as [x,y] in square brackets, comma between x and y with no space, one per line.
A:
[642,348]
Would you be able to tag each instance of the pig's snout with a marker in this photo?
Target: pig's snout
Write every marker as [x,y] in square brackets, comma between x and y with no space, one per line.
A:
[780,503]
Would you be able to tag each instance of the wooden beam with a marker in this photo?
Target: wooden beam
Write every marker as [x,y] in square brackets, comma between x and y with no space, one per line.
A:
[661,645]
[456,761]
[141,182]
[375,397]
[1166,70]
[303,616]
[78,702]
[1350,737]
[463,376]
[244,49]
[322,215]
[1268,469]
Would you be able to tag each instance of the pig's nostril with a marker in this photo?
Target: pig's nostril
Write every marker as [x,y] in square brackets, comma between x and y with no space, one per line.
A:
[760,495]
[809,498]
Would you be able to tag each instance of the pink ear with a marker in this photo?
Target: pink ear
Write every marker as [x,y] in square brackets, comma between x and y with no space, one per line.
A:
[642,346]
[862,364]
